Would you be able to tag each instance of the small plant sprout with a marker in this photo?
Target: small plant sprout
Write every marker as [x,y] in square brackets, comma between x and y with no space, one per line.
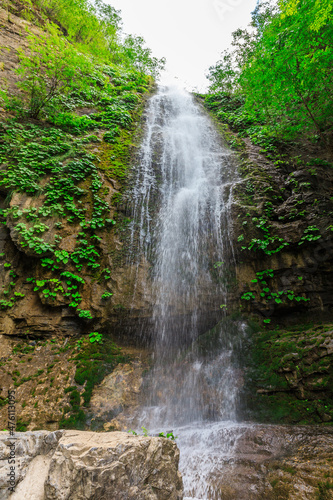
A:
[96,337]
[168,435]
[79,344]
[84,314]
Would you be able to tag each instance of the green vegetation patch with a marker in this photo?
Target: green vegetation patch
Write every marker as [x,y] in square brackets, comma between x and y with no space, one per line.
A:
[268,73]
[54,165]
[94,361]
[290,376]
[81,86]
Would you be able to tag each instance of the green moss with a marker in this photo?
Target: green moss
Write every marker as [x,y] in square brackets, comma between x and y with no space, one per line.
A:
[115,158]
[93,363]
[22,426]
[69,389]
[324,489]
[75,421]
[22,381]
[278,364]
[288,468]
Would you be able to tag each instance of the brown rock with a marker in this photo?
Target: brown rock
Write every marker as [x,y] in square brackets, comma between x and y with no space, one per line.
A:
[118,392]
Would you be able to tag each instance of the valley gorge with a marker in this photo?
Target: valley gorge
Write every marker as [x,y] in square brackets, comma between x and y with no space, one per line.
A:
[163,275]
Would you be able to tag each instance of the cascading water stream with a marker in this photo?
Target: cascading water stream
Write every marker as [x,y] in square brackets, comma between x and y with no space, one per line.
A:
[181,204]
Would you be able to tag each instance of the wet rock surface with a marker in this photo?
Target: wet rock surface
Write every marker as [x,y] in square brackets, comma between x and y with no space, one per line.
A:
[282,204]
[117,395]
[289,377]
[38,372]
[43,375]
[249,462]
[85,465]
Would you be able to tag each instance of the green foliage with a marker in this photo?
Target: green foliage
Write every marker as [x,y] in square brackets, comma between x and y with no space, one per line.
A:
[72,277]
[71,123]
[21,425]
[3,402]
[248,296]
[95,337]
[85,314]
[145,432]
[95,29]
[111,136]
[54,286]
[276,67]
[140,56]
[273,355]
[50,68]
[222,76]
[106,273]
[310,235]
[37,244]
[267,243]
[324,488]
[168,435]
[269,296]
[49,160]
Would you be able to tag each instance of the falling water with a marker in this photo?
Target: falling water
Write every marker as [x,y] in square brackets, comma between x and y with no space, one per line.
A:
[181,204]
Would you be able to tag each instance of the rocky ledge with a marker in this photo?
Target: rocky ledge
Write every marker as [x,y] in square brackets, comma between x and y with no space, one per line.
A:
[229,461]
[77,465]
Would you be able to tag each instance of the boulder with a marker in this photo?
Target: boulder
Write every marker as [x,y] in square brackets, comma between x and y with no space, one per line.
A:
[80,465]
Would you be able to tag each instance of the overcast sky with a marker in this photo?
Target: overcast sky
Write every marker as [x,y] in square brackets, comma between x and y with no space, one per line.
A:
[191,34]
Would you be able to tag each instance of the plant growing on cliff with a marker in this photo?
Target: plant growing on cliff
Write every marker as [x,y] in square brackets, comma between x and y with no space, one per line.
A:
[168,435]
[50,69]
[324,488]
[95,337]
[140,56]
[145,432]
[269,296]
[310,235]
[85,314]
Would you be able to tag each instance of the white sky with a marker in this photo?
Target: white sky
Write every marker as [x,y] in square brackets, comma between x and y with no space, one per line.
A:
[191,34]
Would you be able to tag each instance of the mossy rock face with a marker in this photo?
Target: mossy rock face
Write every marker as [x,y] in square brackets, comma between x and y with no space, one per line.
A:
[64,218]
[61,189]
[59,395]
[93,362]
[290,375]
[281,216]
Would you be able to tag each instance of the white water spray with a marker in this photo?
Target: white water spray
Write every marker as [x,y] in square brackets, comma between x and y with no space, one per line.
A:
[181,204]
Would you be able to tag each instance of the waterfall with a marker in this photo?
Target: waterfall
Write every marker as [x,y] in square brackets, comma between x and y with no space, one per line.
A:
[181,202]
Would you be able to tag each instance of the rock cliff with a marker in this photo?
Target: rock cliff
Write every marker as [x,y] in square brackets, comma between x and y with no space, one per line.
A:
[282,281]
[64,233]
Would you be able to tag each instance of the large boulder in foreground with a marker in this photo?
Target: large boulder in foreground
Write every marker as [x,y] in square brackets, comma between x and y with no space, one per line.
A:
[79,465]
